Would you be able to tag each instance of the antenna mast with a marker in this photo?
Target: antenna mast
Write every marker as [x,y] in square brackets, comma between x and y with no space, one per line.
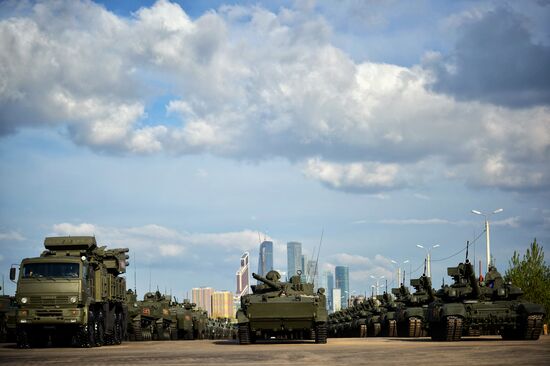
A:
[319,251]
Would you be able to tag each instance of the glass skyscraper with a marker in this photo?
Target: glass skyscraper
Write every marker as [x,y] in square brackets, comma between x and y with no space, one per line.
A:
[330,287]
[341,274]
[293,258]
[265,258]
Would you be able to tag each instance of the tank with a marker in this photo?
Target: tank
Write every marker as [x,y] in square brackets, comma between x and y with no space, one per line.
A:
[284,310]
[388,315]
[490,307]
[73,293]
[411,315]
[151,318]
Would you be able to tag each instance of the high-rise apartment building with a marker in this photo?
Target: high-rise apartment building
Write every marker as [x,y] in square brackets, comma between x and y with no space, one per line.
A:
[341,274]
[294,258]
[203,298]
[265,258]
[336,295]
[243,277]
[222,305]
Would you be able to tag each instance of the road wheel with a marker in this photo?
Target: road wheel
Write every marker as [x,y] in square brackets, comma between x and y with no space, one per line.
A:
[321,333]
[244,334]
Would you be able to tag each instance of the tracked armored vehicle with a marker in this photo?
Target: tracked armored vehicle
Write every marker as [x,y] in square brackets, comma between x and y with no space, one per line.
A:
[412,313]
[152,320]
[190,322]
[490,307]
[72,293]
[284,310]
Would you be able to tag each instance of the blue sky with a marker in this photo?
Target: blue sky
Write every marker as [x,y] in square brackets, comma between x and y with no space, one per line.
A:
[183,129]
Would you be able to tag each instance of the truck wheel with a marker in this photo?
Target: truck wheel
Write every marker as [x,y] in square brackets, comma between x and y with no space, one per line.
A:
[117,339]
[100,330]
[22,338]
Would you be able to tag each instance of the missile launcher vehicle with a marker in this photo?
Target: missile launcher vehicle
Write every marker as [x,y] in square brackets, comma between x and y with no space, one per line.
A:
[284,310]
[73,293]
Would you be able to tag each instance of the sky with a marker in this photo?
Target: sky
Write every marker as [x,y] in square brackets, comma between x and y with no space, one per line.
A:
[189,131]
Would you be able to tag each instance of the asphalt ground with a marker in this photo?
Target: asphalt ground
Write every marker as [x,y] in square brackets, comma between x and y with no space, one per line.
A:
[486,350]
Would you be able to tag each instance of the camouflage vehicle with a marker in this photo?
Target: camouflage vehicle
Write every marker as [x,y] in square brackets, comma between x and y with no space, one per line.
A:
[288,310]
[73,293]
[183,318]
[8,309]
[388,315]
[374,318]
[152,320]
[411,315]
[489,307]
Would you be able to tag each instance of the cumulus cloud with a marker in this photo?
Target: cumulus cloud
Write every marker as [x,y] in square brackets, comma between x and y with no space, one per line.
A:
[249,83]
[495,60]
[151,241]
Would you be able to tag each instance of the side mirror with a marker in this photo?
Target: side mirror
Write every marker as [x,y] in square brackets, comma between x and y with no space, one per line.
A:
[12,273]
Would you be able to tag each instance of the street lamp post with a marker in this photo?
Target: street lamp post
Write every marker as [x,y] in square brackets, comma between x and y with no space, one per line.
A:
[399,270]
[377,283]
[487,234]
[428,258]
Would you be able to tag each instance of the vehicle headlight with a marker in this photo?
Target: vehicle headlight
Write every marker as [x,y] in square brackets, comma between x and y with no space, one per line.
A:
[24,300]
[73,299]
[135,305]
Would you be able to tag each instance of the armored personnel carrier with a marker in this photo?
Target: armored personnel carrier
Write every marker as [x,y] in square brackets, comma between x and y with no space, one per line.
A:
[184,317]
[282,309]
[412,313]
[73,292]
[491,307]
[152,320]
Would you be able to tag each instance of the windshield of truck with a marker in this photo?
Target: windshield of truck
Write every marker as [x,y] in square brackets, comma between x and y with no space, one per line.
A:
[63,270]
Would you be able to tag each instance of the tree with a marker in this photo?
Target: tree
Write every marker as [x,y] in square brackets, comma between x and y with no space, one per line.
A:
[532,275]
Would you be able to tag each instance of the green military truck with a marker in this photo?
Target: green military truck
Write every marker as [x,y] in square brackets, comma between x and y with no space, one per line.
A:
[73,293]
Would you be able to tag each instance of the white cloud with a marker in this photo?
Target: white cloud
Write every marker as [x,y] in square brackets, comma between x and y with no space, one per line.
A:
[11,236]
[152,240]
[355,176]
[249,83]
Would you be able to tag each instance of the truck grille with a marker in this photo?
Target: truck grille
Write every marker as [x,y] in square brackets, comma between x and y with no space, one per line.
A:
[49,300]
[43,313]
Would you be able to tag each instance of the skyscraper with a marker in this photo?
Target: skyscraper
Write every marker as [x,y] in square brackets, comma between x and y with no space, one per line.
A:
[311,271]
[265,258]
[294,258]
[243,278]
[341,274]
[222,305]
[330,286]
[203,298]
